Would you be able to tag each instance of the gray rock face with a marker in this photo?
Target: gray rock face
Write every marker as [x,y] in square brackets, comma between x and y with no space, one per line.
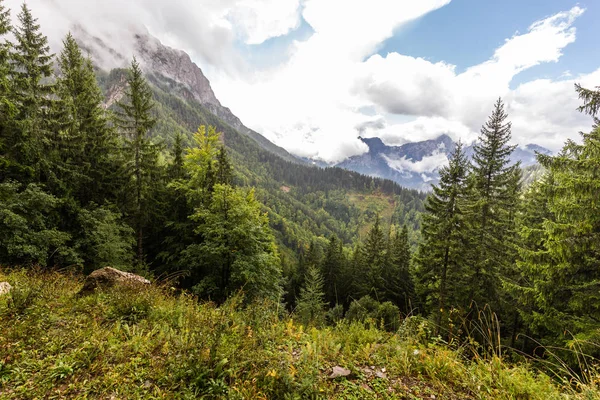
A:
[108,277]
[176,65]
[5,288]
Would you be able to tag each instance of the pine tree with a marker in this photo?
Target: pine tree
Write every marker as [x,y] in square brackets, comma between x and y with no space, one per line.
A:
[333,264]
[86,161]
[31,70]
[398,283]
[491,203]
[224,172]
[560,251]
[441,255]
[311,303]
[375,259]
[135,121]
[7,108]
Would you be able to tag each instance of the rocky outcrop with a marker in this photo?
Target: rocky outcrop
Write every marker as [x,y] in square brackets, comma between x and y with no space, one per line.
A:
[108,277]
[5,288]
[174,64]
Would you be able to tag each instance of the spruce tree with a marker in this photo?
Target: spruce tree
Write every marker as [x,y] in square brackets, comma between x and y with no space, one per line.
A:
[224,171]
[311,303]
[176,167]
[30,75]
[491,203]
[375,260]
[7,108]
[440,257]
[398,283]
[560,251]
[333,264]
[135,120]
[87,160]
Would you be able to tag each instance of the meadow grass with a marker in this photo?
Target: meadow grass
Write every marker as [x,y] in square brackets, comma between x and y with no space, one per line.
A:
[155,342]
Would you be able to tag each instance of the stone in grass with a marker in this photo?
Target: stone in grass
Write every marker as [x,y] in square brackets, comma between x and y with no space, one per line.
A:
[339,372]
[5,288]
[108,277]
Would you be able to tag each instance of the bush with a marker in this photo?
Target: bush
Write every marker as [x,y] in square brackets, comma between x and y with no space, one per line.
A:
[368,310]
[336,314]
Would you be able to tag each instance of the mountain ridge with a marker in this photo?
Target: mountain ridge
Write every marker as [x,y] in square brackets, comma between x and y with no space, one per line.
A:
[416,164]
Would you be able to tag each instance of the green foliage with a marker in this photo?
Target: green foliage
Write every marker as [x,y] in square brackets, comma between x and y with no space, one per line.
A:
[237,249]
[368,310]
[134,120]
[26,235]
[154,344]
[441,259]
[490,210]
[85,157]
[311,302]
[105,239]
[31,68]
[398,285]
[560,250]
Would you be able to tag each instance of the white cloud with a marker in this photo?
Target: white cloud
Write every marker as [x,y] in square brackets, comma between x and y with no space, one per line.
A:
[427,164]
[312,103]
[443,101]
[206,29]
[307,104]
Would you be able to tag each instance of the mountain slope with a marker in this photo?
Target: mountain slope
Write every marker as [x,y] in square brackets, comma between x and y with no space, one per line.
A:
[175,71]
[305,203]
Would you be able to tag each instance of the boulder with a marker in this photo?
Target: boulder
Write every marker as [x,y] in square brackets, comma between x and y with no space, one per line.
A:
[108,277]
[339,372]
[5,288]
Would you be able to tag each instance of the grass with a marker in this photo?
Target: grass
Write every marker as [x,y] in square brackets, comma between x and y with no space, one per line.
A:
[128,343]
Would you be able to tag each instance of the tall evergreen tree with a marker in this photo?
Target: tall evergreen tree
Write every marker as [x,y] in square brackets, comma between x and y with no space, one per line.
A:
[491,203]
[398,284]
[560,251]
[135,121]
[224,171]
[176,170]
[86,154]
[440,258]
[375,260]
[333,264]
[7,108]
[30,75]
[311,303]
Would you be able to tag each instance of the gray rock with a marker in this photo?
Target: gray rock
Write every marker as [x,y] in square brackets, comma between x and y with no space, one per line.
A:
[339,372]
[108,277]
[5,288]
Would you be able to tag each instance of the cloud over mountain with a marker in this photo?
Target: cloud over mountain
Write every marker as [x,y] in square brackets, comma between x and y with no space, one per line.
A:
[316,92]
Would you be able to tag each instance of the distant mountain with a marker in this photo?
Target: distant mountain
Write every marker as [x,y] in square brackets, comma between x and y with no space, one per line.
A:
[415,165]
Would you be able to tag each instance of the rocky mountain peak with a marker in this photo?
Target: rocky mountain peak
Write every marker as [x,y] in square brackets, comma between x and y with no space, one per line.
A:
[177,65]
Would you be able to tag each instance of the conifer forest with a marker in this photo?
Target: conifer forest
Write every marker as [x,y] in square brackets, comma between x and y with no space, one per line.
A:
[486,267]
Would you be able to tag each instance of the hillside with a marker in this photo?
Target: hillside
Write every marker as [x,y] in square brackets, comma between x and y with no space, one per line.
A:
[321,194]
[153,343]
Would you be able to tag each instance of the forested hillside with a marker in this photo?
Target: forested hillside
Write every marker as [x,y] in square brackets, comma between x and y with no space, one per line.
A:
[122,168]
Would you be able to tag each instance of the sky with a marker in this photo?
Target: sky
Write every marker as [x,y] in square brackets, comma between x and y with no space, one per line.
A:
[313,75]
